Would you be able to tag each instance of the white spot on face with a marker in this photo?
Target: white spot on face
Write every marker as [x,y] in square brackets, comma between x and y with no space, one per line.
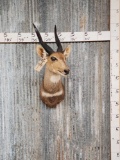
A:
[45,94]
[55,78]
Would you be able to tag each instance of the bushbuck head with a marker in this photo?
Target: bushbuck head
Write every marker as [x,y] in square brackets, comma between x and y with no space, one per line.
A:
[55,68]
[56,61]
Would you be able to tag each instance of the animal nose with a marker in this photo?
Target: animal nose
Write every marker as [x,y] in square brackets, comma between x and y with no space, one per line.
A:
[66,71]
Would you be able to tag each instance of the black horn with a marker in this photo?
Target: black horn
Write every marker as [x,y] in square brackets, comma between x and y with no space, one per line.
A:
[60,49]
[48,49]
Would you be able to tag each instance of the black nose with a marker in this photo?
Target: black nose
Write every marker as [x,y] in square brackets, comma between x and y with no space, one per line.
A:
[66,71]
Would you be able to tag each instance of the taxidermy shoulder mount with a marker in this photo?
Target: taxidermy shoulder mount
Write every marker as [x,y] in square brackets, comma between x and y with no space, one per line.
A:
[52,91]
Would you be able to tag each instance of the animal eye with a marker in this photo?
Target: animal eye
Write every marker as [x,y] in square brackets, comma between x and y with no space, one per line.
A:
[53,58]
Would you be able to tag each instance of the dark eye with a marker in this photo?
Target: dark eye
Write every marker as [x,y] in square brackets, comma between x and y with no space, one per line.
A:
[53,58]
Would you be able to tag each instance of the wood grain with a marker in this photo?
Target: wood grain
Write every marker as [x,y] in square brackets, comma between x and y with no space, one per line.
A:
[79,128]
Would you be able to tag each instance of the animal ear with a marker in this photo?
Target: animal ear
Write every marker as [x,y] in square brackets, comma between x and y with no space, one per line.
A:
[41,51]
[67,51]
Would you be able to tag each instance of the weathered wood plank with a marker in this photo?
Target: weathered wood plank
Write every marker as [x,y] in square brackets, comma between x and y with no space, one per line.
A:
[78,129]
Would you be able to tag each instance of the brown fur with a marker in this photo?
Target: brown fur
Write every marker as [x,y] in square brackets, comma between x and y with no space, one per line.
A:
[50,87]
[55,69]
[52,101]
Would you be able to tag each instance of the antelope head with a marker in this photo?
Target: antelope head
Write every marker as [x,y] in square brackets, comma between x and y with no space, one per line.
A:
[55,67]
[56,61]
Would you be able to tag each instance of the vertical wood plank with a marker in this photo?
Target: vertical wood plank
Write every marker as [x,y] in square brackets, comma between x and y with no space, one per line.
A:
[79,128]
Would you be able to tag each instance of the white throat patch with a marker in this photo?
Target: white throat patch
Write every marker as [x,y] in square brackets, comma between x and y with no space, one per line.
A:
[55,78]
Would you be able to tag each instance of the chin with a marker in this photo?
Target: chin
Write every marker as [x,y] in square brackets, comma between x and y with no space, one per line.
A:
[62,74]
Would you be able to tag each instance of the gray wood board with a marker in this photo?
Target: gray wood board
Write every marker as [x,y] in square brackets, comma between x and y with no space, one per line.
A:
[79,128]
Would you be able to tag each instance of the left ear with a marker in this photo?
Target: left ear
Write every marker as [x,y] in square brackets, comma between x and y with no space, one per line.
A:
[67,51]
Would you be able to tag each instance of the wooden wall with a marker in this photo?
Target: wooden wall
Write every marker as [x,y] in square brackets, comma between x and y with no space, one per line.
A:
[79,128]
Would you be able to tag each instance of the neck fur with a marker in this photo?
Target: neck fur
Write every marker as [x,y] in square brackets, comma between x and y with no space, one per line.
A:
[52,81]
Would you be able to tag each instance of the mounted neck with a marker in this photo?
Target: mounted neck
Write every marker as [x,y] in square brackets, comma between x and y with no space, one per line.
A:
[52,82]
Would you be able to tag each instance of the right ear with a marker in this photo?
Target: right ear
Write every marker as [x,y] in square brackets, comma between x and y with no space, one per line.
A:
[41,51]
